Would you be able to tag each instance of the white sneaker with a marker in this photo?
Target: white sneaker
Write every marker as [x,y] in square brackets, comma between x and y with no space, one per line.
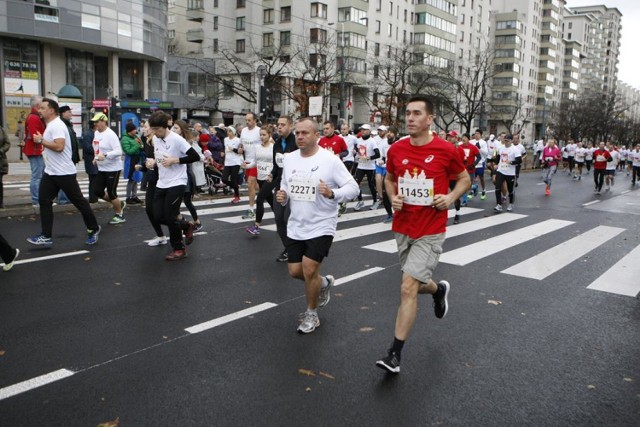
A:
[358,206]
[158,240]
[510,207]
[498,208]
[375,205]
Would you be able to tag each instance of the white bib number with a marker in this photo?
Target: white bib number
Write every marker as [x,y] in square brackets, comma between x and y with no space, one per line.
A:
[280,160]
[264,168]
[302,189]
[416,191]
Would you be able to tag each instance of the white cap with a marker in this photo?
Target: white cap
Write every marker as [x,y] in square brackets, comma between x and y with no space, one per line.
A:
[382,128]
[492,137]
[366,126]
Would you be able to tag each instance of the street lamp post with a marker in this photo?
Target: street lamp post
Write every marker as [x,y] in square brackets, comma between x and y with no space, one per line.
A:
[342,110]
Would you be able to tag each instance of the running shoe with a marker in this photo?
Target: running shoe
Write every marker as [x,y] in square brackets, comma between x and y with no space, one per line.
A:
[375,205]
[547,191]
[158,240]
[470,195]
[309,323]
[325,291]
[250,214]
[8,266]
[483,195]
[188,233]
[440,306]
[342,209]
[197,227]
[254,229]
[498,208]
[235,200]
[390,363]
[176,255]
[510,207]
[40,240]
[456,219]
[388,219]
[117,219]
[283,257]
[92,236]
[358,205]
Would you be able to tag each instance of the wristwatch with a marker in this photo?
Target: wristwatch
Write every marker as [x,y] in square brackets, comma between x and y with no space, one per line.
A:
[332,196]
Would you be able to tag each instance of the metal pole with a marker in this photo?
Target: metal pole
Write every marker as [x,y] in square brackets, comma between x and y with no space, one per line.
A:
[544,117]
[342,116]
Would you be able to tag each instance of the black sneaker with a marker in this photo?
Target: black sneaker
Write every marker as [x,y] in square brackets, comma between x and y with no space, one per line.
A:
[391,363]
[440,305]
[456,219]
[283,257]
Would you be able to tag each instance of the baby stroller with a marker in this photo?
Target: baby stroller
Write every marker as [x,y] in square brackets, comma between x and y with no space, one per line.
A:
[213,174]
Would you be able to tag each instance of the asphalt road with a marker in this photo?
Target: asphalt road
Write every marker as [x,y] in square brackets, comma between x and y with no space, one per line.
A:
[119,333]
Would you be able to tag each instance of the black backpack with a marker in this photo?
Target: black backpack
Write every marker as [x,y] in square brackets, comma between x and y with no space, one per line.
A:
[75,155]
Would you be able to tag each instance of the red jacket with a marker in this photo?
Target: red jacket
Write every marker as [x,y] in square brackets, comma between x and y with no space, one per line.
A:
[33,125]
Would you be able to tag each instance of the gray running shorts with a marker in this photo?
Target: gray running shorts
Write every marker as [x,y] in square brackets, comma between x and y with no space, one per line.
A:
[419,257]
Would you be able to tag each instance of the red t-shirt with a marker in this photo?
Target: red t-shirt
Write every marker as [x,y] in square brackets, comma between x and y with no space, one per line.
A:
[469,153]
[439,160]
[32,126]
[335,143]
[600,158]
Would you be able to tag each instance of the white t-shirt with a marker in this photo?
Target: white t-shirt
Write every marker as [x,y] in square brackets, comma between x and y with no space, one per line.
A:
[571,149]
[250,139]
[107,143]
[493,147]
[616,159]
[301,177]
[365,148]
[581,154]
[507,155]
[484,151]
[58,163]
[522,148]
[589,154]
[383,146]
[172,145]
[634,156]
[264,161]
[352,142]
[230,157]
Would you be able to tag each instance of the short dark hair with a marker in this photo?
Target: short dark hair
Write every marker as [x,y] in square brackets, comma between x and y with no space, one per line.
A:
[159,119]
[52,104]
[254,115]
[428,105]
[289,118]
[329,122]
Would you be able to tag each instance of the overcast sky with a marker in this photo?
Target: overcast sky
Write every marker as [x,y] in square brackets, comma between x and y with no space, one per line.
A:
[629,65]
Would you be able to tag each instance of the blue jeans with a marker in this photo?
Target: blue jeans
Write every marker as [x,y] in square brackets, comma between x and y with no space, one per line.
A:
[37,170]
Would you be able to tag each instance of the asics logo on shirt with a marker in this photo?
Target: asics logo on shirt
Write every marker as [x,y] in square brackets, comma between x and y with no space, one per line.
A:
[429,159]
[315,169]
[405,162]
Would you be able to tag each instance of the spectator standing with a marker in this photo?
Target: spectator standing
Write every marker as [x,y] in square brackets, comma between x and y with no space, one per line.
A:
[33,151]
[132,148]
[20,135]
[5,145]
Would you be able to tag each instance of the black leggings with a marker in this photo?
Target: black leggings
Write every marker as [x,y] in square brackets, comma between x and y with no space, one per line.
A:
[371,180]
[265,193]
[148,207]
[509,179]
[230,177]
[166,208]
[598,178]
[452,185]
[188,202]
[635,174]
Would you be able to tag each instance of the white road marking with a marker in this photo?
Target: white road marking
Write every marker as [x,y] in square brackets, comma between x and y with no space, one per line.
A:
[48,257]
[34,383]
[591,203]
[550,261]
[476,251]
[230,317]
[622,278]
[358,275]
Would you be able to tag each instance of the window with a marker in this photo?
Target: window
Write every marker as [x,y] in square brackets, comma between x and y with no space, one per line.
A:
[390,8]
[147,30]
[215,3]
[171,34]
[317,35]
[285,38]
[240,46]
[267,40]
[462,36]
[215,22]
[215,45]
[155,77]
[376,71]
[174,87]
[377,27]
[240,4]
[90,17]
[378,5]
[285,14]
[319,10]
[376,49]
[268,16]
[124,25]
[194,5]
[240,23]
[317,60]
[389,30]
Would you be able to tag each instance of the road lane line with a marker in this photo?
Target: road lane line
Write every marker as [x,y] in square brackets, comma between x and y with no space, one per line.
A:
[591,203]
[390,246]
[230,317]
[34,383]
[550,261]
[48,257]
[476,251]
[622,278]
[358,275]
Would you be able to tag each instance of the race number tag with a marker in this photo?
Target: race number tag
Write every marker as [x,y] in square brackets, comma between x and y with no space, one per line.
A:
[264,168]
[302,189]
[416,191]
[280,160]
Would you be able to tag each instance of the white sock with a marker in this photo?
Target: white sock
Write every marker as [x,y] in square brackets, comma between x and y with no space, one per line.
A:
[324,281]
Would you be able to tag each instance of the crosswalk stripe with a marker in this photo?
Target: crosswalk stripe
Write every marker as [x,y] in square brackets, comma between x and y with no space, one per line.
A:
[550,261]
[390,246]
[485,248]
[622,278]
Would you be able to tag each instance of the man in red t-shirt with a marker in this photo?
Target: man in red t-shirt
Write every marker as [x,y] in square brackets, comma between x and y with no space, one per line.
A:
[332,141]
[417,182]
[600,158]
[471,156]
[33,151]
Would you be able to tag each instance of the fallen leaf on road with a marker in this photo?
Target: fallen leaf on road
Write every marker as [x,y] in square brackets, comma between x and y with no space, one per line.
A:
[165,337]
[591,387]
[364,308]
[248,302]
[324,374]
[113,423]
[468,365]
[494,302]
[308,389]
[117,283]
[337,294]
[2,352]
[366,329]
[307,372]
[627,379]
[87,258]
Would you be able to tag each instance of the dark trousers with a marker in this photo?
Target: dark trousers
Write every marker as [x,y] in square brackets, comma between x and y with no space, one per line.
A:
[92,196]
[148,207]
[166,208]
[49,188]
[230,177]
[265,193]
[635,174]
[509,179]
[188,202]
[7,253]
[371,180]
[598,178]
[1,191]
[281,214]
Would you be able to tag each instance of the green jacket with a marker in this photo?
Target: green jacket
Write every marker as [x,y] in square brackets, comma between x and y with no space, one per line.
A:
[130,145]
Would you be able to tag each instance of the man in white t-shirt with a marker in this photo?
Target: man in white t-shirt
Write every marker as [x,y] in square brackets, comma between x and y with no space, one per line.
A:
[366,153]
[314,181]
[59,174]
[352,142]
[611,166]
[509,157]
[108,157]
[381,165]
[250,139]
[479,174]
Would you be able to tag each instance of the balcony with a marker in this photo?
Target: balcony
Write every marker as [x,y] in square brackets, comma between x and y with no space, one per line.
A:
[196,15]
[195,35]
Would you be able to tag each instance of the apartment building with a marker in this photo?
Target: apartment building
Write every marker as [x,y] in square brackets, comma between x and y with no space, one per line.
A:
[105,49]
